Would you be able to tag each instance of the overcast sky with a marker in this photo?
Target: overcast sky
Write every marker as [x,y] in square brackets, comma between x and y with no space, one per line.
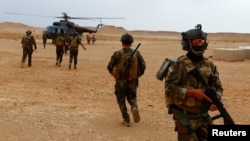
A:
[153,15]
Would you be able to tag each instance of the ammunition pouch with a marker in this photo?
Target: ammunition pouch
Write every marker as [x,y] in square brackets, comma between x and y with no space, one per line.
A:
[161,73]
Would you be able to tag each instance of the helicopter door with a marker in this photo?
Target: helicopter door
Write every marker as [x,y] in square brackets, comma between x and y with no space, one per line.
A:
[62,31]
[59,31]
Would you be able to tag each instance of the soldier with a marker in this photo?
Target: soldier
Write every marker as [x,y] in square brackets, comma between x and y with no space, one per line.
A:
[67,40]
[28,42]
[88,39]
[126,84]
[60,47]
[75,41]
[185,97]
[93,38]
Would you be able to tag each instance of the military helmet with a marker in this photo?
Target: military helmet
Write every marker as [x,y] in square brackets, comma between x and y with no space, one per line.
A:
[28,32]
[127,38]
[74,33]
[194,39]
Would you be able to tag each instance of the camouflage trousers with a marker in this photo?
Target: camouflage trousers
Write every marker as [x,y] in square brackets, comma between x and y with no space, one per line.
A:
[73,52]
[27,52]
[126,90]
[190,126]
[66,49]
[59,53]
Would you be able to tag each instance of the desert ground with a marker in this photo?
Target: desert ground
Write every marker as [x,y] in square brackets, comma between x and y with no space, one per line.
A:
[49,103]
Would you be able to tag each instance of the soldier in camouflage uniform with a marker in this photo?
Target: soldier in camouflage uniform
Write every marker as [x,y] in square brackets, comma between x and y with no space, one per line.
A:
[75,41]
[88,39]
[93,39]
[126,85]
[185,96]
[28,42]
[60,43]
[67,40]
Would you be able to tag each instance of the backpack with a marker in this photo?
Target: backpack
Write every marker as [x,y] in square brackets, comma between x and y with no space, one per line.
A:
[59,41]
[120,68]
[27,41]
[75,41]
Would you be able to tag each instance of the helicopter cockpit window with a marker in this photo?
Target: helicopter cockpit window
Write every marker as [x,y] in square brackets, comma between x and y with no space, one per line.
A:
[47,29]
[50,29]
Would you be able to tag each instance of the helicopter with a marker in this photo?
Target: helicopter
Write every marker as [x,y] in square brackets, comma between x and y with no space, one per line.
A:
[66,27]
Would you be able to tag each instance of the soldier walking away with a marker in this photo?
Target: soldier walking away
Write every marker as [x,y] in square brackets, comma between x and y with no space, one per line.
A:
[60,47]
[28,43]
[88,39]
[127,78]
[185,94]
[93,39]
[74,44]
[67,40]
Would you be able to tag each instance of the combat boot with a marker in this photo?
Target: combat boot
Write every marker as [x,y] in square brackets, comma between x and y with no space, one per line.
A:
[22,64]
[29,63]
[136,115]
[69,65]
[125,123]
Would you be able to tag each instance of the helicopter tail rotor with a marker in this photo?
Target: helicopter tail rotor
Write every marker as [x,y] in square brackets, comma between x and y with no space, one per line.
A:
[100,25]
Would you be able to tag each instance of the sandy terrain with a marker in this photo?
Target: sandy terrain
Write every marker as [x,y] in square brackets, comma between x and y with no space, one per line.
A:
[49,103]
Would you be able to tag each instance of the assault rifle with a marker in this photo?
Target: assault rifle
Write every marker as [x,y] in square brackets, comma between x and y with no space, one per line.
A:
[129,61]
[211,93]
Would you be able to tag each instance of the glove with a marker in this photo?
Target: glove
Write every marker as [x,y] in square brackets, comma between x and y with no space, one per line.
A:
[213,108]
[197,93]
[114,74]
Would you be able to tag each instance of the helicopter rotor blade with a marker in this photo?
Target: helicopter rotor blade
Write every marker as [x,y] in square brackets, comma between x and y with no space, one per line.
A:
[86,18]
[91,18]
[13,13]
[65,16]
